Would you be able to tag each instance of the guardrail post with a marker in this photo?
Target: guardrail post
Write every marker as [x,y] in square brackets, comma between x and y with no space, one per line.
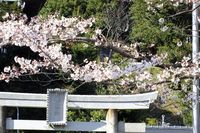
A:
[112,121]
[2,119]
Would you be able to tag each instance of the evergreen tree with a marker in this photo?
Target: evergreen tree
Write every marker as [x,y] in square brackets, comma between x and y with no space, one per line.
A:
[152,24]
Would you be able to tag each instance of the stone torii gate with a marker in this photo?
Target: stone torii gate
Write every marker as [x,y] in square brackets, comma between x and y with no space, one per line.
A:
[57,102]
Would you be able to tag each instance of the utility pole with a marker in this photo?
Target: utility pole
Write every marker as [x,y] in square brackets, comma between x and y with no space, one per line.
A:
[195,50]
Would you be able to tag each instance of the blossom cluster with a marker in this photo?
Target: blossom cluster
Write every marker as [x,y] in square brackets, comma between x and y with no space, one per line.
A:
[37,36]
[152,4]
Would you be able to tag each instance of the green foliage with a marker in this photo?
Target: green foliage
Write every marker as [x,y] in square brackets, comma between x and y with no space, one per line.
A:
[98,115]
[185,102]
[151,121]
[86,115]
[143,29]
[187,117]
[83,51]
[78,115]
[64,7]
[8,8]
[166,34]
[83,8]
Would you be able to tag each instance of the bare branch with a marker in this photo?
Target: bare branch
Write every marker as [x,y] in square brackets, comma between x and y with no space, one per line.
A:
[76,39]
[106,44]
[169,81]
[186,11]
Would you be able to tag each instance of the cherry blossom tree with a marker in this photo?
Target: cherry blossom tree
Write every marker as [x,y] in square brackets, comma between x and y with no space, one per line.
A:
[47,37]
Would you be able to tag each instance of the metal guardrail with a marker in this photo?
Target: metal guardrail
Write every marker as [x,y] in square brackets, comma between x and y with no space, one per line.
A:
[168,129]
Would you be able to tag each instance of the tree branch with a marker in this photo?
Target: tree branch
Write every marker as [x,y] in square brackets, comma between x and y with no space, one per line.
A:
[104,44]
[182,12]
[76,39]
